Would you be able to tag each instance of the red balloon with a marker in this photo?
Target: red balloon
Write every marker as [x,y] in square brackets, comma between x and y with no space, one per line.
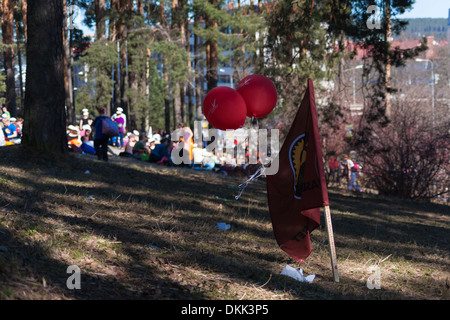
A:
[259,93]
[224,108]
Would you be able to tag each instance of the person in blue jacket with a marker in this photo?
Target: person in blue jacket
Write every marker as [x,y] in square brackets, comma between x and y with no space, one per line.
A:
[160,151]
[100,140]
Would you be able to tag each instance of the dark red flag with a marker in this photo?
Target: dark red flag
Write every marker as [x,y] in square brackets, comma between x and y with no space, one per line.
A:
[298,190]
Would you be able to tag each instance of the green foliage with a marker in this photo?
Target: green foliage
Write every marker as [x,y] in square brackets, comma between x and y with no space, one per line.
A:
[3,47]
[148,94]
[235,31]
[100,58]
[84,99]
[177,59]
[297,46]
[151,105]
[2,88]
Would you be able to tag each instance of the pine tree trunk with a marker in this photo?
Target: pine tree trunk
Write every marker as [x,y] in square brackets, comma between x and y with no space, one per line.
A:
[387,79]
[100,15]
[44,128]
[24,18]
[198,78]
[166,100]
[177,102]
[145,90]
[133,76]
[181,26]
[235,62]
[117,96]
[123,55]
[190,91]
[113,29]
[19,60]
[144,74]
[166,78]
[8,54]
[68,83]
[100,36]
[134,86]
[212,57]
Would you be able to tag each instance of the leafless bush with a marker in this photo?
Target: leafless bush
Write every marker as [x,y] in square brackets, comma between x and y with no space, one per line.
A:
[409,158]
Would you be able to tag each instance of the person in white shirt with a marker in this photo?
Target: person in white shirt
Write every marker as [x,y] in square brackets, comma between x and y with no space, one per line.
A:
[121,119]
[352,184]
[119,113]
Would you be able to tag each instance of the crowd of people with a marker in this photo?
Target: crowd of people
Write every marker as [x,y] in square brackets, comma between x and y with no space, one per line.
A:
[87,137]
[156,147]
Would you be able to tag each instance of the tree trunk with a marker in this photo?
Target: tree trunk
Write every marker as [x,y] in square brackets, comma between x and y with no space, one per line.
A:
[183,31]
[8,54]
[113,39]
[100,36]
[145,90]
[19,60]
[44,128]
[134,86]
[133,76]
[166,77]
[387,79]
[117,96]
[198,78]
[140,7]
[123,56]
[24,18]
[68,83]
[212,77]
[167,96]
[177,102]
[190,91]
[242,53]
[100,19]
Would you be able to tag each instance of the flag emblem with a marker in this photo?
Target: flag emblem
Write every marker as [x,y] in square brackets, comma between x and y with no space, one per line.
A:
[298,152]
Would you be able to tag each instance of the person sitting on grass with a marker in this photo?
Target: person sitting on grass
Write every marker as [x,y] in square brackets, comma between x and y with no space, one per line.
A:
[141,149]
[14,122]
[86,131]
[10,130]
[86,147]
[73,139]
[129,146]
[161,151]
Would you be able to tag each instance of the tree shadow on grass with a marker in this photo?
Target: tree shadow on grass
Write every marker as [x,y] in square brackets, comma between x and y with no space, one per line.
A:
[390,221]
[144,278]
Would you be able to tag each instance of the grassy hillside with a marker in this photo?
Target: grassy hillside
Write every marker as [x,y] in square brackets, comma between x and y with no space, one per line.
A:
[141,231]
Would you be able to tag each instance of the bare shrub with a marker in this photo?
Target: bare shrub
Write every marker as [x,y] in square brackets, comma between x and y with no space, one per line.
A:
[408,158]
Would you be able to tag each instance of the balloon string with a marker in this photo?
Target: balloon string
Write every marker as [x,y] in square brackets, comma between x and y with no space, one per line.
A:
[254,122]
[261,171]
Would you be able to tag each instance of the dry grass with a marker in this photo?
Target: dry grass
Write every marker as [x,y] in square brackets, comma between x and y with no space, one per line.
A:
[140,231]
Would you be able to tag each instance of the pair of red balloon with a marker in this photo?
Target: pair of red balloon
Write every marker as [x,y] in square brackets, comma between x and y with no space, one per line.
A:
[226,108]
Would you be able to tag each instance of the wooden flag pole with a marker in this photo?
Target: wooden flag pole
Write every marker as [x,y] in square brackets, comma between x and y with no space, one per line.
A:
[331,243]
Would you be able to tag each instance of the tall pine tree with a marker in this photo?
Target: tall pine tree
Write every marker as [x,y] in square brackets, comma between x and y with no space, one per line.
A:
[44,128]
